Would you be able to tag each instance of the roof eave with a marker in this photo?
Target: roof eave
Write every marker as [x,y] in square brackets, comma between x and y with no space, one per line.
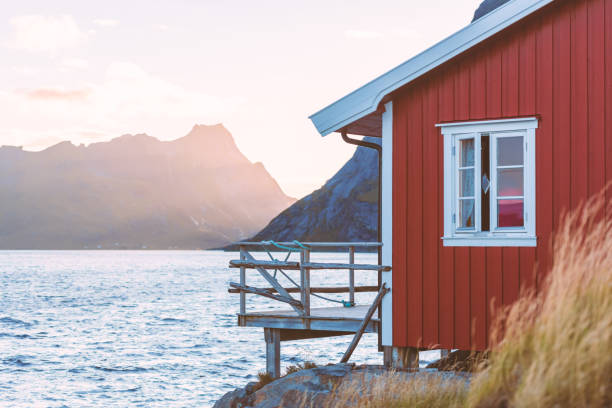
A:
[366,99]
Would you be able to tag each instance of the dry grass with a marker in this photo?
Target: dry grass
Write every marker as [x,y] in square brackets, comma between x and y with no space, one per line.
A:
[307,365]
[399,390]
[556,348]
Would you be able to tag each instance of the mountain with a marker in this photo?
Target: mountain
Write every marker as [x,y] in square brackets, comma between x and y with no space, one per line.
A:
[198,191]
[344,209]
[486,7]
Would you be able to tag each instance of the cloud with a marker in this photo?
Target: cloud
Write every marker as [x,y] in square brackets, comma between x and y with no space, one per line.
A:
[362,35]
[38,33]
[57,94]
[162,27]
[128,99]
[74,63]
[106,22]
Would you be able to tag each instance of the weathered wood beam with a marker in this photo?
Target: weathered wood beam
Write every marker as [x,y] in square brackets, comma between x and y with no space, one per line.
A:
[349,351]
[360,267]
[316,244]
[274,283]
[331,289]
[264,293]
[272,338]
[254,264]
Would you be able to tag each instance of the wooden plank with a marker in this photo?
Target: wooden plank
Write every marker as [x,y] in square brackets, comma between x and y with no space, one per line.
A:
[493,255]
[462,255]
[494,286]
[447,254]
[358,267]
[478,92]
[462,298]
[478,298]
[562,112]
[400,202]
[264,293]
[544,147]
[313,244]
[527,72]
[510,270]
[579,104]
[292,334]
[349,351]
[331,289]
[431,239]
[254,264]
[272,281]
[243,283]
[415,220]
[352,276]
[596,95]
[608,97]
[305,280]
[510,76]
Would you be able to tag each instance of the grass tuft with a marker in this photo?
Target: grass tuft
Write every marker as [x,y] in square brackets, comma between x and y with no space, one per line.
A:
[307,365]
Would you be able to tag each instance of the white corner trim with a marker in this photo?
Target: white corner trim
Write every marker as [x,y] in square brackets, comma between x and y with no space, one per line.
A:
[366,99]
[387,222]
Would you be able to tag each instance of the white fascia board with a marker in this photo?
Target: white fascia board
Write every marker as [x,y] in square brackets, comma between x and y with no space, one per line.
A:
[366,99]
[481,126]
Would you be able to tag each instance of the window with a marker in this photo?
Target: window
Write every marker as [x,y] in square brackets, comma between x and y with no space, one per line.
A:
[489,183]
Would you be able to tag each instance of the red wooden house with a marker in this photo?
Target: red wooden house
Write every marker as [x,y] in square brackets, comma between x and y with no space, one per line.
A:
[487,138]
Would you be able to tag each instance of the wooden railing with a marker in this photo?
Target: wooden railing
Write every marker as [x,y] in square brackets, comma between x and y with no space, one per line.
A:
[279,293]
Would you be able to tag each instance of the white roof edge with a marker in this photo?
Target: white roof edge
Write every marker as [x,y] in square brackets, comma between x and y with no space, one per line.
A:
[365,100]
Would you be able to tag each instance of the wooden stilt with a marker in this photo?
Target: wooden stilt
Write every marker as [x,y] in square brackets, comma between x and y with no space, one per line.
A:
[272,337]
[405,358]
[444,353]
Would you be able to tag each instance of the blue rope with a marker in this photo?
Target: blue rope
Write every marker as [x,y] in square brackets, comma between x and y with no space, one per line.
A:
[345,303]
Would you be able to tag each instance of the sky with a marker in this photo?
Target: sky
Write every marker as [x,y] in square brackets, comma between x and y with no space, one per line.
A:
[89,71]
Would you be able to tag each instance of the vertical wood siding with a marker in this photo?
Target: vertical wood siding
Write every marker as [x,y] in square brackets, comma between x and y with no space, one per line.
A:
[557,65]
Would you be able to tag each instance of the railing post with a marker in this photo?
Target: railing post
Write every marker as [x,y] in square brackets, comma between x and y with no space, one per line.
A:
[305,280]
[242,282]
[352,276]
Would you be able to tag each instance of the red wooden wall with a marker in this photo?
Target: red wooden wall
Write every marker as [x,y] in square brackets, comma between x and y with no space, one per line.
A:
[556,64]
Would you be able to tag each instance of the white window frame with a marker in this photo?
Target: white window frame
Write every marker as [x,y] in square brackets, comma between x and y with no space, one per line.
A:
[514,236]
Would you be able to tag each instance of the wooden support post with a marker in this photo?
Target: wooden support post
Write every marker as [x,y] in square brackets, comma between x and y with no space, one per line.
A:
[242,282]
[405,358]
[272,337]
[352,275]
[444,353]
[305,280]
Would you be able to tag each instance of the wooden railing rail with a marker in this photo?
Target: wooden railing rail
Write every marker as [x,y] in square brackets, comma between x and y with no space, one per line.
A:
[305,266]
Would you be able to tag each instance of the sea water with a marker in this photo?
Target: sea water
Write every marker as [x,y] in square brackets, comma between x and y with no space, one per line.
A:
[143,328]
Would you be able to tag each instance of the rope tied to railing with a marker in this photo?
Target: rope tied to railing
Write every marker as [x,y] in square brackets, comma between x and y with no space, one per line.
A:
[290,250]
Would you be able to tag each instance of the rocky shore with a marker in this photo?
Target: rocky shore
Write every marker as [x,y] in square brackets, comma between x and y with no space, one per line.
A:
[312,387]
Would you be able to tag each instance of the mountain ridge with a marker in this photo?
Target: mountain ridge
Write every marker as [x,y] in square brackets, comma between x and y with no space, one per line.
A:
[135,191]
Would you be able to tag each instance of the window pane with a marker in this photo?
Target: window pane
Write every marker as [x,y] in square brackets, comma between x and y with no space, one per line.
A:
[466,183]
[466,213]
[510,151]
[466,152]
[509,182]
[510,213]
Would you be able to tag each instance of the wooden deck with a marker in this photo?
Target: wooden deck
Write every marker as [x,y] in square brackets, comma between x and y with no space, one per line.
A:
[325,320]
